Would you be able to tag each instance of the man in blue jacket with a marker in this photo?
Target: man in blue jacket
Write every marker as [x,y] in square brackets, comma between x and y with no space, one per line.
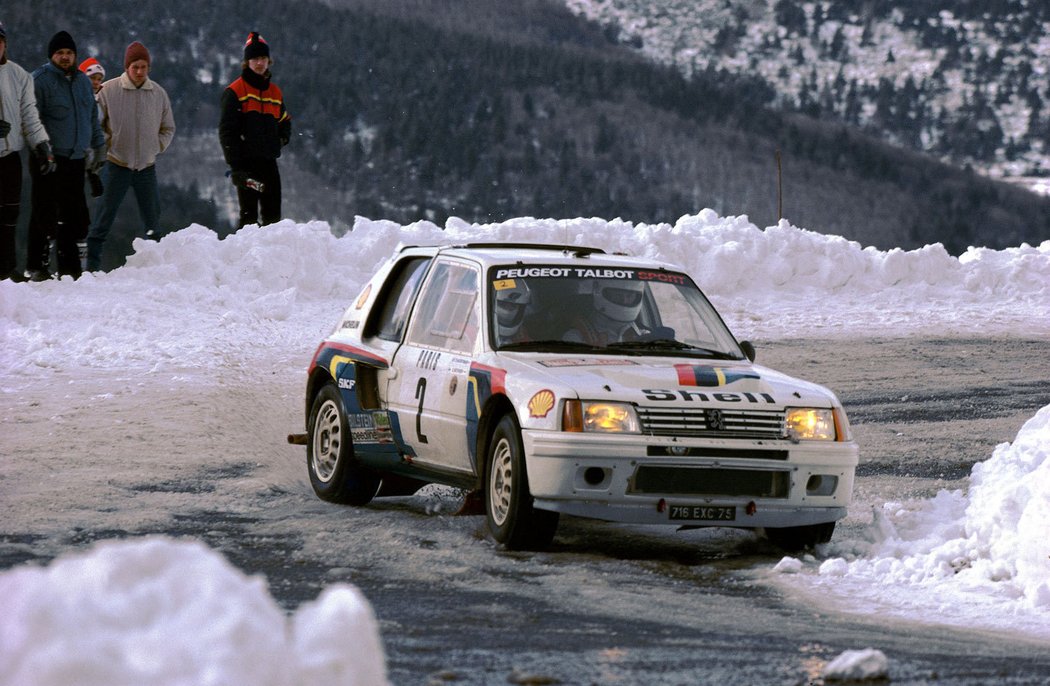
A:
[68,111]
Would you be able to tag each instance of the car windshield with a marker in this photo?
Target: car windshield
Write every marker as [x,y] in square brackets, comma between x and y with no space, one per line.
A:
[623,311]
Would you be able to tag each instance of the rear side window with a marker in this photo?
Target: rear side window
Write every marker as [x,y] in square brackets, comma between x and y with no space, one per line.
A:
[395,302]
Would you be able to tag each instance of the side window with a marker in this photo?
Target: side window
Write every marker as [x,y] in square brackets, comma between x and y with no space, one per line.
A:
[395,302]
[447,316]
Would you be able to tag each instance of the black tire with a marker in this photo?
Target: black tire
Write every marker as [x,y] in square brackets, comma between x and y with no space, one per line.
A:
[511,518]
[795,538]
[335,474]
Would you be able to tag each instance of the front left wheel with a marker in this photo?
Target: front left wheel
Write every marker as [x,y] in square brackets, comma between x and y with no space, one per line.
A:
[509,512]
[335,474]
[793,539]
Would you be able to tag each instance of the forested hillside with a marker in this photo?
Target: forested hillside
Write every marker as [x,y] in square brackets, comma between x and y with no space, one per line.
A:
[408,109]
[962,79]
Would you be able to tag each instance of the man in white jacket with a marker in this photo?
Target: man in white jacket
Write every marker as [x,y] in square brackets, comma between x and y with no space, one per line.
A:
[19,124]
[138,124]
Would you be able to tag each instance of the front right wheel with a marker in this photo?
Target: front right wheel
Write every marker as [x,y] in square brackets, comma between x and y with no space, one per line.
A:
[509,511]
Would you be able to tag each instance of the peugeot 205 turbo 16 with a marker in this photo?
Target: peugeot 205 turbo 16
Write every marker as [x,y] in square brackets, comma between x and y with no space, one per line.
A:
[564,380]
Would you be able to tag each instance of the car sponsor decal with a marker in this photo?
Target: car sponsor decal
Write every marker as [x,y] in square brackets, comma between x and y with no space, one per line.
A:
[541,404]
[587,362]
[665,395]
[703,375]
[503,277]
[370,427]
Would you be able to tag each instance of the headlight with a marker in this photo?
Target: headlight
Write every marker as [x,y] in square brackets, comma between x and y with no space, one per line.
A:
[586,415]
[809,424]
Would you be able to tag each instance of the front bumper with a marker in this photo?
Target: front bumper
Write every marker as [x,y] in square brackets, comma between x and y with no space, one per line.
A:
[631,478]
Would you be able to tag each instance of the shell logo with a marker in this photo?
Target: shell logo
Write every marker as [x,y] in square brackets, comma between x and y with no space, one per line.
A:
[541,404]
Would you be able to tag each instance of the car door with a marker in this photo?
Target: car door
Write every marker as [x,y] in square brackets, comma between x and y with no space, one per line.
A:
[430,390]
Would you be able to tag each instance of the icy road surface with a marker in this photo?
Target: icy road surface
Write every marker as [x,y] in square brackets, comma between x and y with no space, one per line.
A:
[95,454]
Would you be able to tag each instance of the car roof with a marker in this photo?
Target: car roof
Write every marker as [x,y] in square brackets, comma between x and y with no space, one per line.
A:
[491,254]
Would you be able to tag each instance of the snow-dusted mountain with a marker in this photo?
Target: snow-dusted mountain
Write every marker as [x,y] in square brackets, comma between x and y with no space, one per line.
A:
[967,80]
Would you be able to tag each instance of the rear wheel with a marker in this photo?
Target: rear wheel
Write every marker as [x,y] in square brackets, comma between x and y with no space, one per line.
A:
[511,518]
[334,473]
[795,538]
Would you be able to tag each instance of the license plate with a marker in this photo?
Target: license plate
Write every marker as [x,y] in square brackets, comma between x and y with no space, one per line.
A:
[702,513]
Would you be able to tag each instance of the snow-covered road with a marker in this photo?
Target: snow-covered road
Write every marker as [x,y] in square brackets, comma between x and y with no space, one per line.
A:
[156,400]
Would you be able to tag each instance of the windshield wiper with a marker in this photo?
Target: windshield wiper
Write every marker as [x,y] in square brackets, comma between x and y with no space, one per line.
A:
[551,345]
[670,344]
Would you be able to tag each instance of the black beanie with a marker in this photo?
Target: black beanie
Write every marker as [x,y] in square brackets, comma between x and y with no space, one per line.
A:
[255,46]
[59,41]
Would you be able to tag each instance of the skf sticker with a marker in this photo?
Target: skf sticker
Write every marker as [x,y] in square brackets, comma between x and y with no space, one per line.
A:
[541,404]
[363,297]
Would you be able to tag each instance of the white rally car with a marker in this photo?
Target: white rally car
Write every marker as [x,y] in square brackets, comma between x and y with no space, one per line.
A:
[563,379]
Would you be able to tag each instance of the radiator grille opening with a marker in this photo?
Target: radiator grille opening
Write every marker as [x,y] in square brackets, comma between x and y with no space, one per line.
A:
[700,481]
[659,421]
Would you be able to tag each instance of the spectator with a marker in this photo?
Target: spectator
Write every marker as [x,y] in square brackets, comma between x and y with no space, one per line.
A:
[95,71]
[19,123]
[138,124]
[253,128]
[69,113]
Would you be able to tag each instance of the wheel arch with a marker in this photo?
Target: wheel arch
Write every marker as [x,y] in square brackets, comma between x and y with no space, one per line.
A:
[319,376]
[496,407]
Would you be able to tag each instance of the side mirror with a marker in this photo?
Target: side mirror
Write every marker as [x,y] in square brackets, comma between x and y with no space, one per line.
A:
[749,349]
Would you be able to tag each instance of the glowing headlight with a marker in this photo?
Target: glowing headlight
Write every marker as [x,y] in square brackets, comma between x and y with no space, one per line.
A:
[583,415]
[809,424]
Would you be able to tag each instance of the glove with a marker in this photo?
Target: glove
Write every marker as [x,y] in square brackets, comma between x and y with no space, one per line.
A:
[45,159]
[242,180]
[5,128]
[96,157]
[97,189]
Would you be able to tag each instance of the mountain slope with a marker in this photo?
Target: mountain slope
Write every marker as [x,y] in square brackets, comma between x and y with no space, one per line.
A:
[962,79]
[408,110]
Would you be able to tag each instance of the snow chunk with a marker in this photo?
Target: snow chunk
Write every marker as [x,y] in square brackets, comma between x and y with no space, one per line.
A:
[858,665]
[164,612]
[788,565]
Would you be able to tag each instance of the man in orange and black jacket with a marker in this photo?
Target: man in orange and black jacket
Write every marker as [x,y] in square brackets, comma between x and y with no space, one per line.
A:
[252,130]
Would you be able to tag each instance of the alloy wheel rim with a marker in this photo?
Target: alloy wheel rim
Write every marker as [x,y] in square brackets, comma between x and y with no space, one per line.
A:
[500,482]
[327,440]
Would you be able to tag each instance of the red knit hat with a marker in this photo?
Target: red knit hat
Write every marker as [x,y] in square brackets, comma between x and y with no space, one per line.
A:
[135,52]
[91,66]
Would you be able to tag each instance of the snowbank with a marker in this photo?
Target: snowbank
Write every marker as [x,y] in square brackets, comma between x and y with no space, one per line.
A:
[158,611]
[196,300]
[986,550]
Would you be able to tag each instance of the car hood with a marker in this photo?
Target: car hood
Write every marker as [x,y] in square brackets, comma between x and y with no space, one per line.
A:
[675,380]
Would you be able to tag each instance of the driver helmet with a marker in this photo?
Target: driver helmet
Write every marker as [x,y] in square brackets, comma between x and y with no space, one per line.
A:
[510,307]
[620,301]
